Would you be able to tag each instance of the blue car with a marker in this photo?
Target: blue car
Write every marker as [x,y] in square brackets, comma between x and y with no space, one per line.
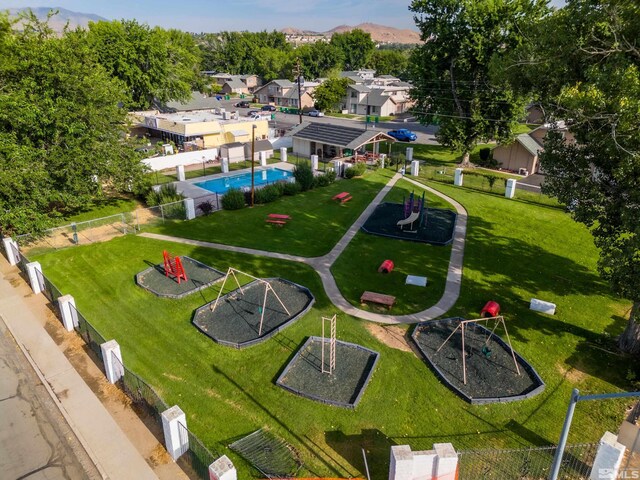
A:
[403,135]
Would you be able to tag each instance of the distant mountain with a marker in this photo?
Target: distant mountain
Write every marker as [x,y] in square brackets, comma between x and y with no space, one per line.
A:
[57,22]
[379,33]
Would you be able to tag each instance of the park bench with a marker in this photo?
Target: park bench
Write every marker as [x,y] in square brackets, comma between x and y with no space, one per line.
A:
[373,297]
[277,219]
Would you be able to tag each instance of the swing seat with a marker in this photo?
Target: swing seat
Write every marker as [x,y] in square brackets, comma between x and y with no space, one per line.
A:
[486,351]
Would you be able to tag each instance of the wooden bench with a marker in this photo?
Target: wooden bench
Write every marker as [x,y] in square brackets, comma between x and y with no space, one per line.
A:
[278,216]
[341,195]
[373,297]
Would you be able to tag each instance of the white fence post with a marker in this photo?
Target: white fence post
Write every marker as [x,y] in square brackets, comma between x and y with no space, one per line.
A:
[283,154]
[415,168]
[608,458]
[409,154]
[175,443]
[9,246]
[510,191]
[224,163]
[190,208]
[314,162]
[440,463]
[263,158]
[222,469]
[113,370]
[180,173]
[458,177]
[34,279]
[67,305]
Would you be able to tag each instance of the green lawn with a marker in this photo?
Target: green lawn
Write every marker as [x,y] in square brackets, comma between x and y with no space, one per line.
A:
[100,209]
[318,221]
[356,269]
[514,251]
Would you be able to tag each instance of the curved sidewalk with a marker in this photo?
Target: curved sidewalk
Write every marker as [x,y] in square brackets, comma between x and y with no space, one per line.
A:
[323,264]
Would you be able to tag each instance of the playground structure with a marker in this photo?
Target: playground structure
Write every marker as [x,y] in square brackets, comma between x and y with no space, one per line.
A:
[486,349]
[267,288]
[158,281]
[332,345]
[254,311]
[314,372]
[386,266]
[475,362]
[173,267]
[414,210]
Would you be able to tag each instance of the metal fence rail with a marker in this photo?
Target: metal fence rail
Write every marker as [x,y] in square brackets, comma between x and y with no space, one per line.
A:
[526,463]
[89,334]
[197,456]
[142,394]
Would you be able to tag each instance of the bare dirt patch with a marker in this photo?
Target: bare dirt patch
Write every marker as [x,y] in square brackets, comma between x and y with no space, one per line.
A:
[391,335]
[572,374]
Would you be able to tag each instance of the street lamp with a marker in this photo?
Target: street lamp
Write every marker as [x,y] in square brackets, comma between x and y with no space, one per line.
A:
[253,149]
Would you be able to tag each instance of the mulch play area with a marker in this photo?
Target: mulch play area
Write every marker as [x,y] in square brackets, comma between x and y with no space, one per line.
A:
[235,321]
[343,387]
[491,374]
[199,276]
[437,230]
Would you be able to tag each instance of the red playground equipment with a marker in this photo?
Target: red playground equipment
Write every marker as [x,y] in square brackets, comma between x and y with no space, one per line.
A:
[385,267]
[173,266]
[490,309]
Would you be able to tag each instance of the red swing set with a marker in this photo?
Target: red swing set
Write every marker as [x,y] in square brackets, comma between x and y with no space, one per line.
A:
[173,266]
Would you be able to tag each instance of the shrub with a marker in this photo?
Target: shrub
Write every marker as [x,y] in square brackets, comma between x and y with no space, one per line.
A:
[166,194]
[205,207]
[492,180]
[292,188]
[325,180]
[233,199]
[304,176]
[267,194]
[355,171]
[349,173]
[484,153]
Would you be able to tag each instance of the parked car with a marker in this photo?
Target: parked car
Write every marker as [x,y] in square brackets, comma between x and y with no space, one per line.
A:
[403,135]
[252,112]
[269,108]
[242,104]
[315,113]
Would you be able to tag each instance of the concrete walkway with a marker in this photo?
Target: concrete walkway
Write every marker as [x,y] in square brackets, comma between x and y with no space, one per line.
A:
[323,264]
[110,450]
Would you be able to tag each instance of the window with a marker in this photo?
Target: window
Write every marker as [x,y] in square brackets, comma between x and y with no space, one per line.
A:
[354,94]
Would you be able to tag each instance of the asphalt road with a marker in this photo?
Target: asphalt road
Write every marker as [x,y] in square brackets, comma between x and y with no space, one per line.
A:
[425,133]
[35,440]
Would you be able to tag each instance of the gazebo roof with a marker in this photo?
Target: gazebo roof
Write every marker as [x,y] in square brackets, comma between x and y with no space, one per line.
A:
[338,135]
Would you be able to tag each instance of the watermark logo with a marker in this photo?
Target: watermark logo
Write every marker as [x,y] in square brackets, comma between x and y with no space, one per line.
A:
[614,474]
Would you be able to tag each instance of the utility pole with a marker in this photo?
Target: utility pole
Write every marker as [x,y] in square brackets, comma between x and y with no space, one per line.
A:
[299,90]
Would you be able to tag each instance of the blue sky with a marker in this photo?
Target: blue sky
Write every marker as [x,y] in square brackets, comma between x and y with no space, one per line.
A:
[253,15]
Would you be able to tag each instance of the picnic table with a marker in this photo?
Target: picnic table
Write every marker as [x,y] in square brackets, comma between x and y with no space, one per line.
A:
[277,219]
[380,298]
[343,197]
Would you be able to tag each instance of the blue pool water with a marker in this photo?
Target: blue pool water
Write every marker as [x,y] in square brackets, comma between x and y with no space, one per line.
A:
[221,185]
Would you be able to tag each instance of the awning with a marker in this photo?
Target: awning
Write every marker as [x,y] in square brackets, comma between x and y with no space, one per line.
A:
[239,133]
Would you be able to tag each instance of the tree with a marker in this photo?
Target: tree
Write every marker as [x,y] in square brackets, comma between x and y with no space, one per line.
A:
[389,62]
[586,70]
[60,128]
[330,94]
[154,64]
[356,47]
[318,59]
[450,71]
[272,64]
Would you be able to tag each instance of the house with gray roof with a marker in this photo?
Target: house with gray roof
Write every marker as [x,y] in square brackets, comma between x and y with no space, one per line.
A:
[379,100]
[284,93]
[333,141]
[235,85]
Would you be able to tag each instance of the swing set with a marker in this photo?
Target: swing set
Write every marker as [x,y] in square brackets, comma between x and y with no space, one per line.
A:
[268,288]
[486,349]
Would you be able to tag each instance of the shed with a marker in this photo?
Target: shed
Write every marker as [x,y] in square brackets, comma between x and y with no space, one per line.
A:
[233,151]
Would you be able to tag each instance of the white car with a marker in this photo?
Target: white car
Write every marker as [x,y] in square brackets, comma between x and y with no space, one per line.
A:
[315,113]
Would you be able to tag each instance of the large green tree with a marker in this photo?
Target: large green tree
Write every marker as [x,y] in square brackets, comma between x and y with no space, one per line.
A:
[318,59]
[389,62]
[450,71]
[356,47]
[61,129]
[329,95]
[154,64]
[585,69]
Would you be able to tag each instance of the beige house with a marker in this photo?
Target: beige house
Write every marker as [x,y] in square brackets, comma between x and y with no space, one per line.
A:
[250,82]
[235,85]
[522,155]
[378,99]
[284,93]
[204,128]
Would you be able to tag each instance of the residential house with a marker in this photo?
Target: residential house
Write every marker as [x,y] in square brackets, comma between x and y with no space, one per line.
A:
[250,82]
[284,93]
[535,114]
[522,155]
[235,85]
[380,100]
[363,74]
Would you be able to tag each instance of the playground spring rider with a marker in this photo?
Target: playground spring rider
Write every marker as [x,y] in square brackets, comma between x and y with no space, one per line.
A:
[173,266]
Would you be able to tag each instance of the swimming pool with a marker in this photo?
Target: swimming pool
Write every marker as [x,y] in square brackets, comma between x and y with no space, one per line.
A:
[262,177]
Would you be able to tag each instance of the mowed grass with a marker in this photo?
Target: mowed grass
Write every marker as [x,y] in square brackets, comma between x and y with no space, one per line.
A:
[318,222]
[514,251]
[356,269]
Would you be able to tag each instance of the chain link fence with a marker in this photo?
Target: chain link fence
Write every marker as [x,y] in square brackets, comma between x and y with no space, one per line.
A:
[527,463]
[196,455]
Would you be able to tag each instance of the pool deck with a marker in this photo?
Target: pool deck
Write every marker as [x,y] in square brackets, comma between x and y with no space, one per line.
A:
[189,189]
